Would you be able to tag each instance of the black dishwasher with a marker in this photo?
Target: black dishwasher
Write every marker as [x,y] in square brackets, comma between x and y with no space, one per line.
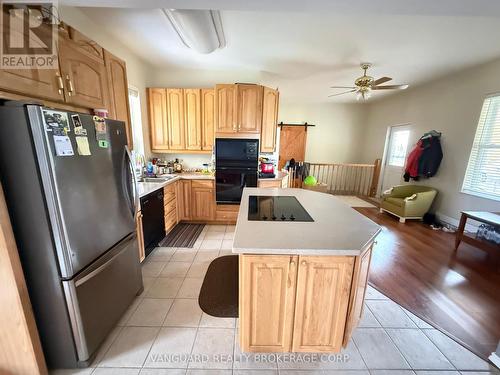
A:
[153,220]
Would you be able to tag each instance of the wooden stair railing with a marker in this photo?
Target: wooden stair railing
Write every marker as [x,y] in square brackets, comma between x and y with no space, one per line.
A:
[340,178]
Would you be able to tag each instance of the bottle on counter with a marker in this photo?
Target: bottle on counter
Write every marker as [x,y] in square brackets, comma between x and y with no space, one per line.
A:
[177,166]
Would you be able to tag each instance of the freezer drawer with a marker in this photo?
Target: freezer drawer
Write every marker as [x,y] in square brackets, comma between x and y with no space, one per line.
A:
[98,297]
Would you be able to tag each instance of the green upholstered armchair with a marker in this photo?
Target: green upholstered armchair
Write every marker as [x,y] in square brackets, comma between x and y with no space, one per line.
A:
[408,201]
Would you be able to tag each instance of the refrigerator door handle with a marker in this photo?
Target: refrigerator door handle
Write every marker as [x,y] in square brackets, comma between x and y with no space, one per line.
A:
[134,194]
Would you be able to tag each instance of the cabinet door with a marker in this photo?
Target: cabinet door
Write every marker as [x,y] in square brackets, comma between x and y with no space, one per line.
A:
[269,120]
[207,118]
[184,200]
[356,301]
[192,110]
[118,92]
[203,200]
[323,289]
[84,76]
[249,102]
[225,109]
[266,302]
[37,83]
[158,129]
[175,119]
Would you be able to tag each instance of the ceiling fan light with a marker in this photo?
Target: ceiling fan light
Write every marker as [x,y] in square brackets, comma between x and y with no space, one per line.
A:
[199,29]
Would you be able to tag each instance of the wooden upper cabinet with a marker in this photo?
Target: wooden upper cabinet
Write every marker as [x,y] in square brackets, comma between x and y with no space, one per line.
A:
[207,118]
[323,289]
[270,103]
[249,103]
[39,83]
[225,108]
[268,285]
[192,118]
[175,119]
[85,44]
[84,75]
[203,200]
[157,99]
[119,108]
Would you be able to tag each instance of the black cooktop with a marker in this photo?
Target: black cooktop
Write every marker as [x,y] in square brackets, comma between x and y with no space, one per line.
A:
[272,208]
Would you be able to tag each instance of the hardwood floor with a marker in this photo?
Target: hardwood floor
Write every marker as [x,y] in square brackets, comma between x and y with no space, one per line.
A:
[457,293]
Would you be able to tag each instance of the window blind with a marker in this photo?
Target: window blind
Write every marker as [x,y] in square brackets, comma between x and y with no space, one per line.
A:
[482,177]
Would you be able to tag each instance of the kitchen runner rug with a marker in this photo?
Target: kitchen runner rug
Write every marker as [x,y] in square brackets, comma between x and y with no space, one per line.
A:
[219,291]
[354,201]
[183,235]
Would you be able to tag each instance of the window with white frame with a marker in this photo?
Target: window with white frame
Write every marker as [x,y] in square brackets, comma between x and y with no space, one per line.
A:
[482,177]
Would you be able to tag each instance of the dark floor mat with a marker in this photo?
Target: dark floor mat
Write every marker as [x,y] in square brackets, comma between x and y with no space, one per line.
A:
[219,292]
[183,235]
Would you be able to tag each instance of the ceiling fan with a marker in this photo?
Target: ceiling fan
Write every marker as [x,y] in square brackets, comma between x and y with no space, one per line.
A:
[364,85]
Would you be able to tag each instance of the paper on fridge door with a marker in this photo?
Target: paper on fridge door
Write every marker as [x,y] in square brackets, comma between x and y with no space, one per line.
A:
[82,143]
[63,145]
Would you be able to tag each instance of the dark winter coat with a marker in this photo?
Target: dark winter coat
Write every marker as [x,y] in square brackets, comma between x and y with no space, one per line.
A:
[431,157]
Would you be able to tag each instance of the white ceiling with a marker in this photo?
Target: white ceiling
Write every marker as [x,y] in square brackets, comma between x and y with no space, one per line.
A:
[306,52]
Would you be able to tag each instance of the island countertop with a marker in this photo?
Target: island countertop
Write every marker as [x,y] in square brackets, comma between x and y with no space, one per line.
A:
[337,228]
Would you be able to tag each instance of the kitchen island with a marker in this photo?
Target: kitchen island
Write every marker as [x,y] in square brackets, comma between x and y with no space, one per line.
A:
[301,283]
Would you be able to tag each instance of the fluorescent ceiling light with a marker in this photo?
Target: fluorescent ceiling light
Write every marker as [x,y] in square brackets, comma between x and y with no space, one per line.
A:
[200,30]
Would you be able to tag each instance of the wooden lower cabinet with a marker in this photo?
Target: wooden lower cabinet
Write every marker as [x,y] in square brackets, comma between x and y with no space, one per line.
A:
[323,289]
[203,200]
[263,183]
[299,303]
[268,287]
[170,206]
[358,289]
[184,200]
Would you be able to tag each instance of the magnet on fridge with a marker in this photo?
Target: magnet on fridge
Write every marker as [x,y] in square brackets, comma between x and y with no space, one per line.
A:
[77,124]
[103,143]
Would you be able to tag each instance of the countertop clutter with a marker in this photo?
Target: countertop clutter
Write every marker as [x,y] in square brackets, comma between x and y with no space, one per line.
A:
[144,188]
[337,228]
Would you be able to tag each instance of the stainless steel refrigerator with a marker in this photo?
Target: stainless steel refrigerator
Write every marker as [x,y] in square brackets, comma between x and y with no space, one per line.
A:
[72,200]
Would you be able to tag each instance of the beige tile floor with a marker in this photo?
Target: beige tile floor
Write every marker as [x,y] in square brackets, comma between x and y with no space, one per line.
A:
[164,332]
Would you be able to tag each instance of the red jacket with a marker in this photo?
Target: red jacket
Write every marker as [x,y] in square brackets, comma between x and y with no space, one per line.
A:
[412,160]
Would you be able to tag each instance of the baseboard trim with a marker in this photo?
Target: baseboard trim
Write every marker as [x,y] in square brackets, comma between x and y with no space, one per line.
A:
[495,359]
[469,226]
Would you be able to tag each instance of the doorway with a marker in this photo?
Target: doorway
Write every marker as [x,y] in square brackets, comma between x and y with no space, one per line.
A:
[396,146]
[292,144]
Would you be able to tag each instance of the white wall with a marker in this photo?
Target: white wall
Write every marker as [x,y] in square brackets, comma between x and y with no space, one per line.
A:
[450,105]
[336,136]
[137,69]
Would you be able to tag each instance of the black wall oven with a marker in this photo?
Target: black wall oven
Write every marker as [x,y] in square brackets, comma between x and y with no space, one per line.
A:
[236,166]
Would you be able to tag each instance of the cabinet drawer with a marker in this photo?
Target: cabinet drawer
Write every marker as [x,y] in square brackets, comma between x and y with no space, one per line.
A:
[170,221]
[169,193]
[226,215]
[171,206]
[202,184]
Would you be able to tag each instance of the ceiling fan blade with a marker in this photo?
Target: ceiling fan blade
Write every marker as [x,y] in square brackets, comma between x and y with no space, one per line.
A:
[342,87]
[345,92]
[381,80]
[390,87]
